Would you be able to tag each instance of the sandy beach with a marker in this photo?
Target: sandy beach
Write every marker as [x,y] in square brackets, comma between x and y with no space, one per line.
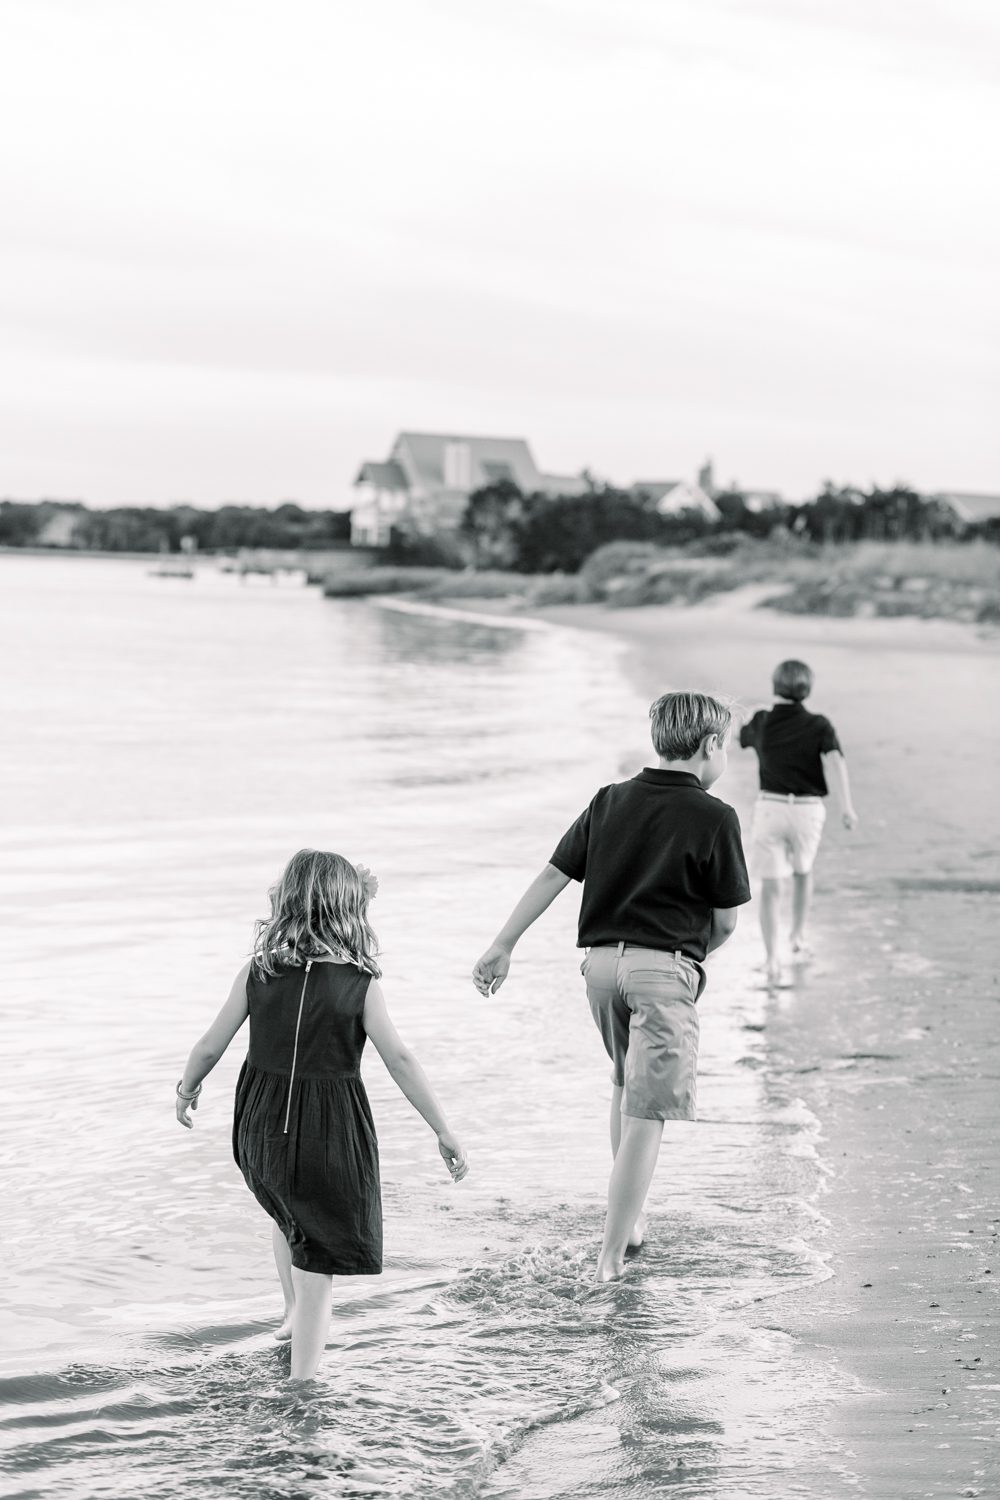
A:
[893,1030]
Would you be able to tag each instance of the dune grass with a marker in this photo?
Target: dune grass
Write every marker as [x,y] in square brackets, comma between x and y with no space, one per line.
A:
[933,579]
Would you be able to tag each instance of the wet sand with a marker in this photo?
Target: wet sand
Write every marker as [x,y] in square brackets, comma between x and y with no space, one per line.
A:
[893,1032]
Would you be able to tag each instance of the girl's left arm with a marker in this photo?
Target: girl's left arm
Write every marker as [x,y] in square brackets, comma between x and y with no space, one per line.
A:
[410,1078]
[207,1051]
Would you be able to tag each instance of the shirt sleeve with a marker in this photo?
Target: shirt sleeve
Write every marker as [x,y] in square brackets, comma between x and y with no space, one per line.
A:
[726,880]
[570,854]
[827,737]
[748,732]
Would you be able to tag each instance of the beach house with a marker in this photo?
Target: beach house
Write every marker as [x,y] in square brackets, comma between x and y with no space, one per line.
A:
[424,484]
[672,497]
[970,509]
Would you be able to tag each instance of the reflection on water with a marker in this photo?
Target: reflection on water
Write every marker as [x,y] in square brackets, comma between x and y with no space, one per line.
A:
[168,748]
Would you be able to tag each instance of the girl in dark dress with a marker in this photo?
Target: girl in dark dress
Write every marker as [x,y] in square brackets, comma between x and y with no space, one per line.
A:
[303,1135]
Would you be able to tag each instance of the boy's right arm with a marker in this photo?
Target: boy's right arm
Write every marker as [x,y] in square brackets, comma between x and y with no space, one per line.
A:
[748,730]
[490,971]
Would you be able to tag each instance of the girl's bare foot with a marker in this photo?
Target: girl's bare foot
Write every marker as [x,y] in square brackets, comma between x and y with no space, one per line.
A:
[283,1333]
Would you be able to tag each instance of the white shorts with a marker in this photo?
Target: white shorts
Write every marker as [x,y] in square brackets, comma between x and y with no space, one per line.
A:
[784,836]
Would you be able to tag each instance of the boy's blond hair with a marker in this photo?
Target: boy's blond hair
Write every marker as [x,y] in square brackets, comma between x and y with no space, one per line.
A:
[680,721]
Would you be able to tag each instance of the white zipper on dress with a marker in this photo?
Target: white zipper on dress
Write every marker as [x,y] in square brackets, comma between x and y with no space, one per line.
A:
[295,1049]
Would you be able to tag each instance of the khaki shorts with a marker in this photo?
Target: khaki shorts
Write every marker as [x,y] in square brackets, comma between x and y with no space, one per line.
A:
[784,836]
[644,1003]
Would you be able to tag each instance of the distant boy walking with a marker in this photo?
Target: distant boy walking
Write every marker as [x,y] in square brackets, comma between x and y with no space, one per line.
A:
[796,750]
[663,872]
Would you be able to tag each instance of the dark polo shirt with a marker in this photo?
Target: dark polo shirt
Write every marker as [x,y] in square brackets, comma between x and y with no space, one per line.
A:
[656,855]
[789,741]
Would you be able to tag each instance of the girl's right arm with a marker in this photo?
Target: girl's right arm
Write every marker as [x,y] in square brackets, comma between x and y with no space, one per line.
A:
[410,1078]
[206,1052]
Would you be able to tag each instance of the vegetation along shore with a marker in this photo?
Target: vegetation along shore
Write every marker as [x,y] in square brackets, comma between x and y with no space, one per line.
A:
[925,580]
[845,553]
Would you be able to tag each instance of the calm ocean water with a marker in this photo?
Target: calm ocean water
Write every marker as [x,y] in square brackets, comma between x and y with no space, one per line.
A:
[167,744]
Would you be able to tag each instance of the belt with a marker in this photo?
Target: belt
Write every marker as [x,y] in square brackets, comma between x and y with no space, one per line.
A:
[677,952]
[788,797]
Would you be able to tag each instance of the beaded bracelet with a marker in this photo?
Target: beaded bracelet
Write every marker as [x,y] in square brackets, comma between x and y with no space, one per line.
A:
[181,1094]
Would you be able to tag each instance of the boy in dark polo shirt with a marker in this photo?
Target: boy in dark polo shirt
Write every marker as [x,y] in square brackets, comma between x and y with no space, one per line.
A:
[795,749]
[663,872]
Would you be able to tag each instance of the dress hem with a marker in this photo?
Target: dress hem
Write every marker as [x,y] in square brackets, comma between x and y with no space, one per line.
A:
[353,1270]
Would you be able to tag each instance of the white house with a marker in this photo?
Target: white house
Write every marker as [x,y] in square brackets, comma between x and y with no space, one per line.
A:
[59,528]
[761,500]
[971,509]
[674,496]
[428,477]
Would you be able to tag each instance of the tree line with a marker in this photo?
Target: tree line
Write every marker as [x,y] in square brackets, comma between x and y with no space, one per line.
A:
[503,528]
[148,529]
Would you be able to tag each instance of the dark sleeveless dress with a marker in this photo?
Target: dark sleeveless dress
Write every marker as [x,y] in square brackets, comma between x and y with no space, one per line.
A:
[303,1135]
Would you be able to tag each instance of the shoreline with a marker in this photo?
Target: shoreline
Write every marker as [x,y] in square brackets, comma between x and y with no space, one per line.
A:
[644,626]
[911,1310]
[639,628]
[340,573]
[890,1037]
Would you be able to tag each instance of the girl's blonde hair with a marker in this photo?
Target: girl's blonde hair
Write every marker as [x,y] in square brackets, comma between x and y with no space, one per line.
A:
[318,907]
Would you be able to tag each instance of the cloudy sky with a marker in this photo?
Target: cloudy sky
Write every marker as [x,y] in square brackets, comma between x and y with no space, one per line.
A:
[246,241]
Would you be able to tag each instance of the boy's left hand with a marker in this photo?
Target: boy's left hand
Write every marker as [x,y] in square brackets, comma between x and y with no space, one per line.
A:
[491,970]
[849,818]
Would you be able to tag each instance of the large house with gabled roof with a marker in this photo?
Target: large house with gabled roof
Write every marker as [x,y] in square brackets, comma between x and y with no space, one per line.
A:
[968,508]
[424,484]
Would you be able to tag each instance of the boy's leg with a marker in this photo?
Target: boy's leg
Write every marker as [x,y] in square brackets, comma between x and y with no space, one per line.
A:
[809,821]
[631,1176]
[802,886]
[615,1120]
[283,1261]
[661,1058]
[638,1231]
[770,921]
[310,1321]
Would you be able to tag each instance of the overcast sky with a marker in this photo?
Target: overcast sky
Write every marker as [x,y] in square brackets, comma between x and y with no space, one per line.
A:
[244,242]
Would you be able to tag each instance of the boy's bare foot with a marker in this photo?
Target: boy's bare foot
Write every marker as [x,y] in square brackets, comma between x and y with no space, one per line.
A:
[638,1234]
[283,1333]
[610,1270]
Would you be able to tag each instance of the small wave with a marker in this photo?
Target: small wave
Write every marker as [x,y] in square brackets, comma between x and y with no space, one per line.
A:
[524,1282]
[456,615]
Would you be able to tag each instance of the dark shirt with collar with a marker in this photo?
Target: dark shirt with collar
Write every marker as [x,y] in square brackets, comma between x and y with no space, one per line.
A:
[656,855]
[789,741]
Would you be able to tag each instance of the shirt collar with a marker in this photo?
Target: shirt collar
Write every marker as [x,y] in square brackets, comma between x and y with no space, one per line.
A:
[657,777]
[790,705]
